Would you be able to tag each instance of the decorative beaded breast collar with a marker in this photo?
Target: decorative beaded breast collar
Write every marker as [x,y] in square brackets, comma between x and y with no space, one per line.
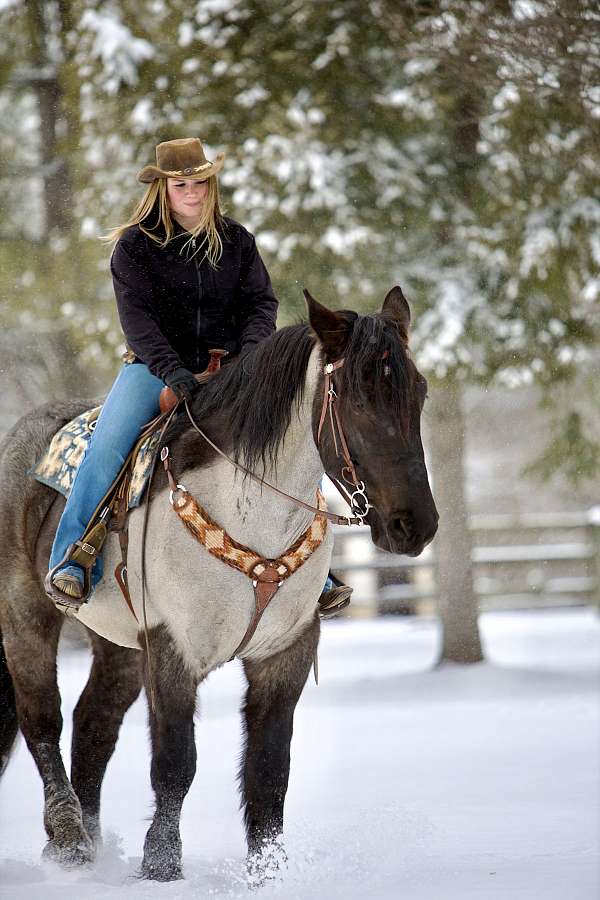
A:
[267,575]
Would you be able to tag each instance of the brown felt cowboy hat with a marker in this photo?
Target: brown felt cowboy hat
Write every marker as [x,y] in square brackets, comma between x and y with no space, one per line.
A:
[183,158]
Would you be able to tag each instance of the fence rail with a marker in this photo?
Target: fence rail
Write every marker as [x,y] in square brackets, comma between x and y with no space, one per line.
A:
[534,560]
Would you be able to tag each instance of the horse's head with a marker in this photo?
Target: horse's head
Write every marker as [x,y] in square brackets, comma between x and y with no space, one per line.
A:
[380,397]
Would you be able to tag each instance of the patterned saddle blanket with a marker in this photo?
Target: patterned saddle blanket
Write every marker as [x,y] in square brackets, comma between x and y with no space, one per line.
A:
[58,465]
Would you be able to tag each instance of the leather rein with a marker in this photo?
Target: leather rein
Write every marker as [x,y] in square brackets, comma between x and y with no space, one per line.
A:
[356,499]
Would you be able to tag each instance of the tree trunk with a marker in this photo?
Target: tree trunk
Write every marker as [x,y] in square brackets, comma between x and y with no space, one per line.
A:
[58,193]
[64,278]
[457,604]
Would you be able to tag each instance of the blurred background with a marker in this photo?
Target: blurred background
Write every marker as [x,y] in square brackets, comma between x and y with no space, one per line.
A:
[451,147]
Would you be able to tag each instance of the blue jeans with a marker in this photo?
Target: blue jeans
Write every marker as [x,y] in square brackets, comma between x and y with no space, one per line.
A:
[132,401]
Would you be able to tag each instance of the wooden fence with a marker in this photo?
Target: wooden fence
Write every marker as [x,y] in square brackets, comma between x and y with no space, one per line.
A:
[537,560]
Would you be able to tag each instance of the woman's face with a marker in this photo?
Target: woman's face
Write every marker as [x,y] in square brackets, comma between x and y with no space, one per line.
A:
[186,196]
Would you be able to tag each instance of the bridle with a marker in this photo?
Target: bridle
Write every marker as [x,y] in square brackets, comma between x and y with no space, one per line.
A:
[356,499]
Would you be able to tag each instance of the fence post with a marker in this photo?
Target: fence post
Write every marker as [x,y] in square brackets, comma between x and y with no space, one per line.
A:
[594,523]
[359,548]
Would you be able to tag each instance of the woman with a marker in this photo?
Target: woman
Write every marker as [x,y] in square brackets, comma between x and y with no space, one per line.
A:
[186,279]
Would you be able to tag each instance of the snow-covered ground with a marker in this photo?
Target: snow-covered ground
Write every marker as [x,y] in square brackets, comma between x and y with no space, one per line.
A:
[406,783]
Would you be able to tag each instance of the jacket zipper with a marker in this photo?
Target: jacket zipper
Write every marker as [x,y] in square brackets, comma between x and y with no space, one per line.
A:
[198,312]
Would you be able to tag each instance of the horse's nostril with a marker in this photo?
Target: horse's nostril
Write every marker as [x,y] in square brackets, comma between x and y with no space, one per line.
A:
[402,524]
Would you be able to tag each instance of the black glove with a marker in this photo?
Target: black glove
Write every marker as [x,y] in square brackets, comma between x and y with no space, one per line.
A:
[183,383]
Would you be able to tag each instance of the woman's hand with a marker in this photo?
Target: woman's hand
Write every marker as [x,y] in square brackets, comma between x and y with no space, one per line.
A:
[183,383]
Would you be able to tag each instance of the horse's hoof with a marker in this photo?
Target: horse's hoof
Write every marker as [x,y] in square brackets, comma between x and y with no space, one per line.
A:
[70,856]
[266,863]
[161,871]
[162,853]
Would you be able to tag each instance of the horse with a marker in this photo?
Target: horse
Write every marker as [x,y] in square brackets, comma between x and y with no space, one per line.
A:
[266,408]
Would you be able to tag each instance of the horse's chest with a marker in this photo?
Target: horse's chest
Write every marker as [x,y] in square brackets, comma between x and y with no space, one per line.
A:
[207,605]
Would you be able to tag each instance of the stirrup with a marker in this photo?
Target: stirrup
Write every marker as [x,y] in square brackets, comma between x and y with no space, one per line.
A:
[64,602]
[334,601]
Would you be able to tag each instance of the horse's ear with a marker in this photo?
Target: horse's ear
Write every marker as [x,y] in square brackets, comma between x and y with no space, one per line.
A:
[395,308]
[332,328]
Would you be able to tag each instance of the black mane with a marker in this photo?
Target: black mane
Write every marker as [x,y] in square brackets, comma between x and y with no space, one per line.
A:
[247,407]
[249,403]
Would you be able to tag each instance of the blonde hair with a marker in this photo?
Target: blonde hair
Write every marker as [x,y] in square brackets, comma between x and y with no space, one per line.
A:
[155,201]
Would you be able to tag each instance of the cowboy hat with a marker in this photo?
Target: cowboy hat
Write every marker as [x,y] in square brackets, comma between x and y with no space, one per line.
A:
[183,158]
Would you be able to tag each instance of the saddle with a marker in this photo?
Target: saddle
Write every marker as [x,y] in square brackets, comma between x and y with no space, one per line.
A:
[58,466]
[57,469]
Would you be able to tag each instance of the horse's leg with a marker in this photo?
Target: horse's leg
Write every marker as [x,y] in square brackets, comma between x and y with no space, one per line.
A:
[31,632]
[114,683]
[173,753]
[274,687]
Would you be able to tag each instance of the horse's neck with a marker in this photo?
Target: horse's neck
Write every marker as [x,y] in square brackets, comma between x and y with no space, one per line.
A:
[255,515]
[298,468]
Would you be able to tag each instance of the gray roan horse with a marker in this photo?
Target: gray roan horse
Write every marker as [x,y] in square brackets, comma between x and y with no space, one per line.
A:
[265,409]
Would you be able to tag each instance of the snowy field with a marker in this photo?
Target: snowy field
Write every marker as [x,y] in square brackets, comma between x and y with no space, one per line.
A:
[406,783]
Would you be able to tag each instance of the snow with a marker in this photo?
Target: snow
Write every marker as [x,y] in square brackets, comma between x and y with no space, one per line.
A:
[121,53]
[142,115]
[461,782]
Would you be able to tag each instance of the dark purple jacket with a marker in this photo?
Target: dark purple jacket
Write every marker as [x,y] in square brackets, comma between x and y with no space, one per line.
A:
[173,309]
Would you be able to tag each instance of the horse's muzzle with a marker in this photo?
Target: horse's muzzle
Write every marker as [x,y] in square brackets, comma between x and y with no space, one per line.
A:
[402,533]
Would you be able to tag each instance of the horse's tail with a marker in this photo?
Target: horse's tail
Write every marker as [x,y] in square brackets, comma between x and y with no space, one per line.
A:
[9,724]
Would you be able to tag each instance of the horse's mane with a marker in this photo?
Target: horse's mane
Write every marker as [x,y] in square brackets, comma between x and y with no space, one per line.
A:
[249,403]
[248,406]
